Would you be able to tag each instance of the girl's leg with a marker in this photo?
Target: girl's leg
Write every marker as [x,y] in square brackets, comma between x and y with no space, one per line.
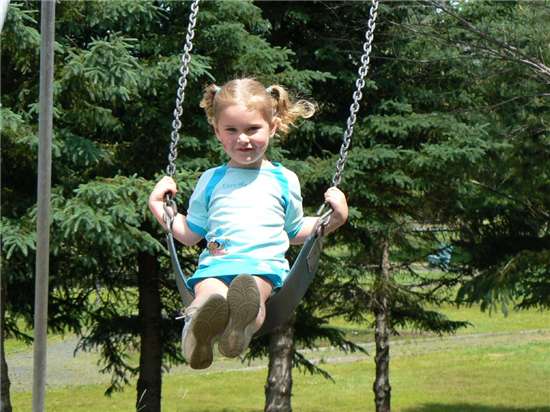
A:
[207,287]
[265,287]
[205,319]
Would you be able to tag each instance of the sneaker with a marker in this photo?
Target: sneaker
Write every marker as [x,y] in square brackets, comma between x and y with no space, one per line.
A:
[202,326]
[243,299]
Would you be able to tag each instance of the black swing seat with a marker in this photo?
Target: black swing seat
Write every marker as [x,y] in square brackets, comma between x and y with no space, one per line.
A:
[186,295]
[282,304]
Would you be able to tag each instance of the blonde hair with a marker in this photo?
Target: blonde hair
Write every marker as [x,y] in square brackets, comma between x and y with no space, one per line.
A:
[273,102]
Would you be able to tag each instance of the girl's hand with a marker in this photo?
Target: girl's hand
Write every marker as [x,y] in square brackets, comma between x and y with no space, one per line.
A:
[180,229]
[337,200]
[163,186]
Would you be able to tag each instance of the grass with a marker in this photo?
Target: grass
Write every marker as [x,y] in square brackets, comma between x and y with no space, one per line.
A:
[494,366]
[505,377]
[485,322]
[14,345]
[481,322]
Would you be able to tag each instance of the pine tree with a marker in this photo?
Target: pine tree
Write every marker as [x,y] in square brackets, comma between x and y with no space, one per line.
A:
[504,212]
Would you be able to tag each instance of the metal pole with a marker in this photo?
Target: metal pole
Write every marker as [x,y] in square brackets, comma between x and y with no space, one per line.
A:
[47,30]
[3,12]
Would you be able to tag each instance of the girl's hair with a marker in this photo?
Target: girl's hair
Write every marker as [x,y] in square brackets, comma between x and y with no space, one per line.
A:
[273,102]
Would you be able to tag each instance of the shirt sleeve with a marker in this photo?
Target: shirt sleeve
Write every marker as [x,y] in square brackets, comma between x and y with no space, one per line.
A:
[197,212]
[294,217]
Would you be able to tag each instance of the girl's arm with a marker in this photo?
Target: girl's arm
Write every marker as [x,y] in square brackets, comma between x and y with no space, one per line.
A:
[337,200]
[180,229]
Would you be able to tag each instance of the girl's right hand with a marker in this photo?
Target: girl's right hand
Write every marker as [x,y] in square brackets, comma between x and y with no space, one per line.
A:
[163,186]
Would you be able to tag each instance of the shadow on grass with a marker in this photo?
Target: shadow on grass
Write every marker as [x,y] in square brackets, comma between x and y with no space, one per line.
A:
[468,407]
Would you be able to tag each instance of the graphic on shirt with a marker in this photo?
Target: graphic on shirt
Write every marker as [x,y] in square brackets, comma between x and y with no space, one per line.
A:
[217,245]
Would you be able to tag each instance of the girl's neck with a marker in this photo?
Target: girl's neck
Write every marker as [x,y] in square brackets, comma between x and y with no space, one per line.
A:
[263,164]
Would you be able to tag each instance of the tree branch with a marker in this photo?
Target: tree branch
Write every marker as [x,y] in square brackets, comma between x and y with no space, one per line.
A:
[509,50]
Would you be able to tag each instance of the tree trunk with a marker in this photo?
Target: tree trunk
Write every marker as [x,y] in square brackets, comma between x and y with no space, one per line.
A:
[5,401]
[278,388]
[150,358]
[381,386]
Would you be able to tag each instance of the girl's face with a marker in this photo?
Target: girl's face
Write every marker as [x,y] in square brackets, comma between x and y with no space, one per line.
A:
[244,134]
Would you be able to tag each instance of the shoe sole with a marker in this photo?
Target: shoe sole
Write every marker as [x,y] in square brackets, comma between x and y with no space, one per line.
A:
[210,322]
[243,299]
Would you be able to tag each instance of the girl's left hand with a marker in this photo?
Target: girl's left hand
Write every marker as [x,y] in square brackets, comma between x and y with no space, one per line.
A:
[337,200]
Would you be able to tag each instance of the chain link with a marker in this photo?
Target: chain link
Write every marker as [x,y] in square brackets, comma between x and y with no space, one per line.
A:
[180,95]
[357,95]
[170,209]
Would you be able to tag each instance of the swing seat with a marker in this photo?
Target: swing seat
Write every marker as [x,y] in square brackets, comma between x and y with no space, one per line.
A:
[282,304]
[186,295]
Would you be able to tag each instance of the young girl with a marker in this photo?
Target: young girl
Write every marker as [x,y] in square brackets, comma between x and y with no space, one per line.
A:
[249,211]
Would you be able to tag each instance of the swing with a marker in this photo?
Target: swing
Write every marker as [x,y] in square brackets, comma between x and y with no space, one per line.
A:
[281,304]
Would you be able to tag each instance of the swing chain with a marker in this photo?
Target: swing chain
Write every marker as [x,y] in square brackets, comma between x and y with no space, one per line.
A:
[170,212]
[357,95]
[170,208]
[323,219]
[182,82]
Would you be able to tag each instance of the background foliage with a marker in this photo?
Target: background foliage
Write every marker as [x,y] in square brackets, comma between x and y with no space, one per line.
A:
[453,134]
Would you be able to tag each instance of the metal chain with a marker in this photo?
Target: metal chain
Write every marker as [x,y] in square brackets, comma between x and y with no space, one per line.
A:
[182,82]
[170,206]
[357,95]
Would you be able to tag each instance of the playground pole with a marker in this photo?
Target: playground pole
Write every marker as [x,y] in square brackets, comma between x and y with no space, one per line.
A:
[45,124]
[3,12]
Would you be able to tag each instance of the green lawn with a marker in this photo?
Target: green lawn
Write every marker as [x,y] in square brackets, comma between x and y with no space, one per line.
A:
[482,322]
[503,378]
[495,366]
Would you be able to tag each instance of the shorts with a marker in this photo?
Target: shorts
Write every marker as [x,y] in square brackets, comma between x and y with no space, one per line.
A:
[275,280]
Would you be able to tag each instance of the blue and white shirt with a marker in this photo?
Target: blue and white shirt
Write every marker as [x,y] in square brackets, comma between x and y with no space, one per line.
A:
[247,216]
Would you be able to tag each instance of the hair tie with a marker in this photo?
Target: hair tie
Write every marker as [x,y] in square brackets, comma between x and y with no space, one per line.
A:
[217,89]
[269,89]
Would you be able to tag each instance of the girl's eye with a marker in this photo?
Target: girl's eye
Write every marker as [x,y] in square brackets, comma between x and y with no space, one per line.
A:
[253,129]
[231,130]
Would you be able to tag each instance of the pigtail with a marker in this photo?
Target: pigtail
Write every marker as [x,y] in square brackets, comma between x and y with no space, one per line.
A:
[274,102]
[207,102]
[286,111]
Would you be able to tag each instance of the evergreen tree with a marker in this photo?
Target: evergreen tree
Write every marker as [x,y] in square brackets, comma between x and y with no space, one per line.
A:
[505,207]
[459,144]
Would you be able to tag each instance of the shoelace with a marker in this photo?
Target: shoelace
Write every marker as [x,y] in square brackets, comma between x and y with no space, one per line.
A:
[187,313]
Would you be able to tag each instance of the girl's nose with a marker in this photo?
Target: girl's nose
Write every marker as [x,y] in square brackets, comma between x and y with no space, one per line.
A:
[243,137]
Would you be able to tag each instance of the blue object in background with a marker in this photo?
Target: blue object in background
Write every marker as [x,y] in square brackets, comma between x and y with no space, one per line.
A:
[442,257]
